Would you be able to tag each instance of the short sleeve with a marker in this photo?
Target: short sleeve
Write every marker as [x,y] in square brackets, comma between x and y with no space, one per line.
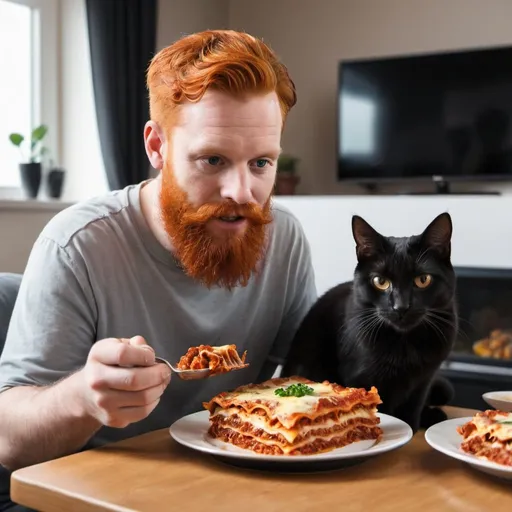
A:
[52,326]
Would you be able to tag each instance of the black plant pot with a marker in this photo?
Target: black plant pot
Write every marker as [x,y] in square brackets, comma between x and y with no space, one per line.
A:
[54,183]
[31,178]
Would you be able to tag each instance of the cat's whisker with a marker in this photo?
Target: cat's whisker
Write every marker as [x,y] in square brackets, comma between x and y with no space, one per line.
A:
[370,328]
[376,328]
[354,322]
[365,328]
[361,324]
[430,322]
[440,318]
[461,320]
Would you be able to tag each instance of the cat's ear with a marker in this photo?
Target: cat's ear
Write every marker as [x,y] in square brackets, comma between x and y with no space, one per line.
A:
[368,241]
[438,235]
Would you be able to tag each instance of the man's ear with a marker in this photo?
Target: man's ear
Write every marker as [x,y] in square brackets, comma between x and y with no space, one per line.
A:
[368,241]
[438,235]
[154,142]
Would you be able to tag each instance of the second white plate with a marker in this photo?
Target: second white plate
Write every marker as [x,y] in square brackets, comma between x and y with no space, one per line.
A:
[444,438]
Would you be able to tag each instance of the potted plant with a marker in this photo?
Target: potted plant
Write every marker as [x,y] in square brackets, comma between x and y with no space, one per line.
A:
[287,179]
[30,167]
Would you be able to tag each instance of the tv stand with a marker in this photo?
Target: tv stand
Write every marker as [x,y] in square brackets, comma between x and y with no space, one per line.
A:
[443,188]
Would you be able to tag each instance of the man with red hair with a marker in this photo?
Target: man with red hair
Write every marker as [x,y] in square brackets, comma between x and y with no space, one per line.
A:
[197,255]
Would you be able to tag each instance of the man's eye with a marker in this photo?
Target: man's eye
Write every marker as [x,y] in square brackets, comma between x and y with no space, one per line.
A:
[214,160]
[261,163]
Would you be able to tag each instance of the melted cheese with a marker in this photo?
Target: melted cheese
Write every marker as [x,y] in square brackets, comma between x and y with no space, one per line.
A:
[501,446]
[220,349]
[500,431]
[289,448]
[289,405]
[261,422]
[227,353]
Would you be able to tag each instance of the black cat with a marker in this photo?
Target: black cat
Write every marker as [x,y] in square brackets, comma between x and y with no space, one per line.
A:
[391,327]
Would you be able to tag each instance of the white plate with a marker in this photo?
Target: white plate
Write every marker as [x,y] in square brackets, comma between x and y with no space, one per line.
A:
[444,438]
[191,431]
[499,400]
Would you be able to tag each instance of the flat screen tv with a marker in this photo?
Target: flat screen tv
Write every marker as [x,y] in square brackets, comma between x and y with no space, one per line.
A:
[445,115]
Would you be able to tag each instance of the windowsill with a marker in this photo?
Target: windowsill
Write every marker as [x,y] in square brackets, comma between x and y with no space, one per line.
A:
[48,205]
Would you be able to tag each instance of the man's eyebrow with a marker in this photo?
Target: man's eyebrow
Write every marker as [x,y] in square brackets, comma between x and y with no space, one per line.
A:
[205,148]
[209,148]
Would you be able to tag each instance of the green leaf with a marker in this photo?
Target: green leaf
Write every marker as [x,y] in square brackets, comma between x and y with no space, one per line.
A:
[297,390]
[39,133]
[16,138]
[505,422]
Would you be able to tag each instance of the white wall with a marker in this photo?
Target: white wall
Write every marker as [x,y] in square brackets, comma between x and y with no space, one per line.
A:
[312,36]
[482,228]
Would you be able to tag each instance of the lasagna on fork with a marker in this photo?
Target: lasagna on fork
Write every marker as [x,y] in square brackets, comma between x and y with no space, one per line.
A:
[220,359]
[294,416]
[488,435]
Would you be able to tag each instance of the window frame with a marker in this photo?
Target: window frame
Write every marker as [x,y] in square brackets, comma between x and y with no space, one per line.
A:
[45,77]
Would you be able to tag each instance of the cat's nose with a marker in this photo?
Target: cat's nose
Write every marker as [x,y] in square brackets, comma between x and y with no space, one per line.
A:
[400,309]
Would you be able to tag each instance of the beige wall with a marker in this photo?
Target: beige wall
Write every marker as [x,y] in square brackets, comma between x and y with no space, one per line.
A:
[20,225]
[311,36]
[180,17]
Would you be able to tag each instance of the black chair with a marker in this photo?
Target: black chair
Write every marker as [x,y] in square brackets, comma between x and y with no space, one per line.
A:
[9,286]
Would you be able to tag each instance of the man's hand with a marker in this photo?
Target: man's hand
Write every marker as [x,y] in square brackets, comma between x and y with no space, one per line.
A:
[121,382]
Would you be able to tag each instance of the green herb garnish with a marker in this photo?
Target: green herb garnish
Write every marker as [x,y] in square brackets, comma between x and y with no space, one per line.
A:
[505,422]
[295,390]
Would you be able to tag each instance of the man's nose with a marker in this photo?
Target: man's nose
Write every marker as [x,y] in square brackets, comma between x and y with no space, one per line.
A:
[236,186]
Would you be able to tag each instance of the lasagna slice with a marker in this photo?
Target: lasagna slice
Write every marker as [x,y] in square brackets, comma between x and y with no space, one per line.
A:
[294,416]
[488,435]
[217,359]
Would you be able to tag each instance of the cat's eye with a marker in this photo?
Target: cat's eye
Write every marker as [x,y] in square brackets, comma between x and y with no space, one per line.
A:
[381,283]
[423,281]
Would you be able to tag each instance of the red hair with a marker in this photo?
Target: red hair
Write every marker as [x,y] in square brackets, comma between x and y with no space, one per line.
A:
[226,60]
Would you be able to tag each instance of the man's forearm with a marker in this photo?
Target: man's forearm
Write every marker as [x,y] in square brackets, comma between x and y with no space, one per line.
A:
[42,423]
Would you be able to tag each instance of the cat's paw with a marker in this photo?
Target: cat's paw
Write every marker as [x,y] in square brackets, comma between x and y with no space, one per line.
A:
[430,416]
[441,392]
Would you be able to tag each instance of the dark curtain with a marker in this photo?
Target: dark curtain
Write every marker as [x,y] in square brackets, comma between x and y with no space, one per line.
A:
[122,40]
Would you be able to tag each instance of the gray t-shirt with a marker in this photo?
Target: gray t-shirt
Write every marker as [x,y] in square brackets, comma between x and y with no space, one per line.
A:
[97,271]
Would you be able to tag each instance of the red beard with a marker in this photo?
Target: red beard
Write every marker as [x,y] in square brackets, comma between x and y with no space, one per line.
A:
[226,262]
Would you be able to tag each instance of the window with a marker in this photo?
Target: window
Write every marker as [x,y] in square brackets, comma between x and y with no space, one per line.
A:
[29,85]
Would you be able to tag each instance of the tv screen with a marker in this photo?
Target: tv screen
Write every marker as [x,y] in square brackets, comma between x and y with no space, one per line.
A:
[446,114]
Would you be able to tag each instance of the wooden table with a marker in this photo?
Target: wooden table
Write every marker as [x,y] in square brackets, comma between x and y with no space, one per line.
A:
[153,473]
